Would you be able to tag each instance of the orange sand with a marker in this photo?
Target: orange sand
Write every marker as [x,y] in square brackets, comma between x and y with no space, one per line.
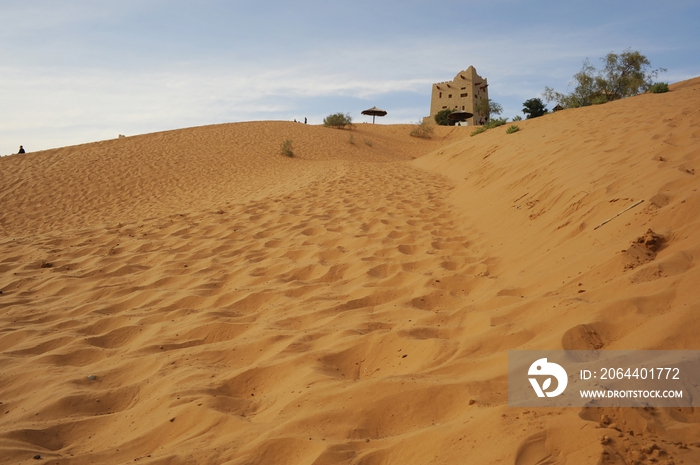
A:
[352,305]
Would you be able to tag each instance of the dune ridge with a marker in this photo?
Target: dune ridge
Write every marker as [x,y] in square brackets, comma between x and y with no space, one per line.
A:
[194,296]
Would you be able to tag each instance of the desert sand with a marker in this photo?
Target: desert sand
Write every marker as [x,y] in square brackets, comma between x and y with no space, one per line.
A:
[194,296]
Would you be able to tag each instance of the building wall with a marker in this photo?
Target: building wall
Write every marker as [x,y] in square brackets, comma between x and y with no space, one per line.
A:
[462,93]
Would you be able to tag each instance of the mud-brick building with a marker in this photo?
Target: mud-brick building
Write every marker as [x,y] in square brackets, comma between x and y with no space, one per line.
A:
[462,93]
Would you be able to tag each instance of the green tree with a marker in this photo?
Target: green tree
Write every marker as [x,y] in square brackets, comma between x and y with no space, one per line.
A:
[623,75]
[584,89]
[534,108]
[487,107]
[441,117]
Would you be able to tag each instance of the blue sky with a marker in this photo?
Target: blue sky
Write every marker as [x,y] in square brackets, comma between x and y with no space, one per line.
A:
[77,71]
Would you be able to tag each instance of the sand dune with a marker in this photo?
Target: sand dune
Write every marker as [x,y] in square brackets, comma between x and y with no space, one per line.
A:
[194,296]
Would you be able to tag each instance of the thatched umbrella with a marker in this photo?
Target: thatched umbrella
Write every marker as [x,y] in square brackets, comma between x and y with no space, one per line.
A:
[374,111]
[459,115]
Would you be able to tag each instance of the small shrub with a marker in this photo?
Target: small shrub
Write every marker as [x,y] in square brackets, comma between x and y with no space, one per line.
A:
[495,122]
[517,118]
[337,120]
[286,148]
[478,130]
[659,88]
[368,142]
[512,128]
[423,130]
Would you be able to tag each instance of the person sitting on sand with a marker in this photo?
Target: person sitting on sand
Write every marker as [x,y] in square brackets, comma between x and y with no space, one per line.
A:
[21,149]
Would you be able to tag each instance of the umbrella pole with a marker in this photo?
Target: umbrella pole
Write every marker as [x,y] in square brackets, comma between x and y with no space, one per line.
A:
[373,116]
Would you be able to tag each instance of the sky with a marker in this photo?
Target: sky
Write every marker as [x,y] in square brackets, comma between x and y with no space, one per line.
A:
[78,71]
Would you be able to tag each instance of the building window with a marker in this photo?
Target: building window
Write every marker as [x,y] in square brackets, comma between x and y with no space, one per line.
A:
[449,96]
[444,106]
[440,95]
[464,95]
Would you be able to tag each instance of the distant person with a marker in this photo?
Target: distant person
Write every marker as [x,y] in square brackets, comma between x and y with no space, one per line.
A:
[21,150]
[304,120]
[481,121]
